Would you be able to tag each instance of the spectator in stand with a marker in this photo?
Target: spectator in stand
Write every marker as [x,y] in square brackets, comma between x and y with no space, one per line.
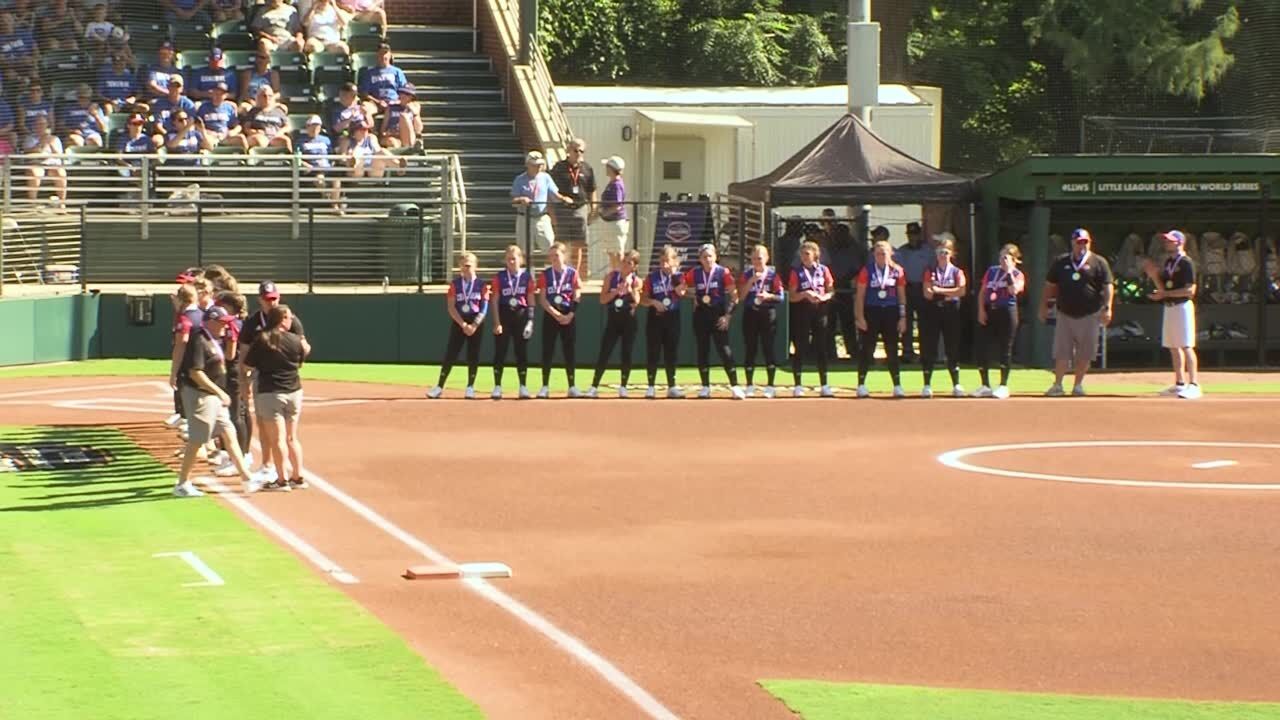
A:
[531,191]
[315,147]
[36,106]
[366,156]
[84,122]
[98,31]
[163,109]
[402,123]
[134,142]
[219,118]
[8,129]
[227,10]
[325,25]
[277,27]
[42,143]
[346,111]
[379,84]
[186,12]
[116,84]
[187,139]
[255,78]
[202,80]
[17,47]
[265,124]
[59,28]
[155,80]
[370,11]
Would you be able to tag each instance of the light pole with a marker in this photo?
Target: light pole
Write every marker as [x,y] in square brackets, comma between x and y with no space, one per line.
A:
[863,53]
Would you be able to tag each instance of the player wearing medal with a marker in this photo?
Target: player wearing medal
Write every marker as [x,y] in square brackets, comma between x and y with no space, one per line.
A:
[468,302]
[513,289]
[716,294]
[809,291]
[559,292]
[1176,288]
[944,287]
[620,295]
[662,291]
[998,319]
[761,291]
[880,313]
[1081,283]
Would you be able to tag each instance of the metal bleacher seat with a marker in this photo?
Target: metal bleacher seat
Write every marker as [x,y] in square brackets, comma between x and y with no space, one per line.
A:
[233,35]
[63,65]
[362,60]
[330,68]
[144,38]
[193,37]
[228,155]
[363,36]
[292,67]
[299,98]
[238,59]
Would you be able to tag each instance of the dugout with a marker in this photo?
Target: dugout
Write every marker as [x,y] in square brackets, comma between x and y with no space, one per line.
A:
[1222,202]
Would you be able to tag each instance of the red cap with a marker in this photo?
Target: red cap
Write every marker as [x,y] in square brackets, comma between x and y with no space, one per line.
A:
[1081,234]
[184,278]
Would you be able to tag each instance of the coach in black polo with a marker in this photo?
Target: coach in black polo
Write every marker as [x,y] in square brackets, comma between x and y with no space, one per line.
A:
[268,298]
[1082,283]
[575,179]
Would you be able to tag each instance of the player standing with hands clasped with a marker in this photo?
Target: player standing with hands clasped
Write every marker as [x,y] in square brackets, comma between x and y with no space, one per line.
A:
[715,294]
[559,292]
[468,302]
[810,289]
[760,289]
[662,292]
[880,312]
[513,289]
[1176,288]
[998,319]
[620,296]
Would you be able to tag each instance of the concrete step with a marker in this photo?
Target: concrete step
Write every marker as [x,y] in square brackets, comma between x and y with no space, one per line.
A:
[441,93]
[414,62]
[430,38]
[463,109]
[480,79]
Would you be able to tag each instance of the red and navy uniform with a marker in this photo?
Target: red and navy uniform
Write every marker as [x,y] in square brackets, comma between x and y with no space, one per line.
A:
[809,321]
[711,285]
[999,296]
[768,281]
[893,284]
[515,309]
[470,298]
[628,283]
[662,329]
[559,289]
[512,290]
[620,324]
[881,315]
[941,317]
[711,302]
[760,319]
[187,320]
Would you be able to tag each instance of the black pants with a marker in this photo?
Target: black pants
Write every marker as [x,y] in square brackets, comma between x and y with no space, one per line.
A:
[915,315]
[809,333]
[882,324]
[568,336]
[997,339]
[760,333]
[513,323]
[705,332]
[661,339]
[945,320]
[841,320]
[457,339]
[238,411]
[619,325]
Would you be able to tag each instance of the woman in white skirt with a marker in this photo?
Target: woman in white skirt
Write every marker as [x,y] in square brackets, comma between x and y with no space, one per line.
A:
[615,228]
[1176,288]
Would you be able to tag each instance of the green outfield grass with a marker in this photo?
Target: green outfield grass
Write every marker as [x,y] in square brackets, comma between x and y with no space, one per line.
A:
[850,701]
[1021,381]
[94,627]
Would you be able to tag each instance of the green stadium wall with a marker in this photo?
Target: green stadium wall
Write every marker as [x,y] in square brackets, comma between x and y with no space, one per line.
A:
[49,329]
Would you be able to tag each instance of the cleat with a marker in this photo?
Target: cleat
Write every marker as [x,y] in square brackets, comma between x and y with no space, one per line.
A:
[1191,392]
[435,393]
[496,394]
[926,392]
[827,392]
[469,393]
[898,392]
[1172,391]
[957,391]
[186,490]
[592,392]
[622,391]
[544,393]
[751,391]
[983,392]
[704,392]
[173,420]
[650,393]
[675,393]
[863,392]
[1001,393]
[797,391]
[738,393]
[1055,390]
[770,392]
[574,392]
[1078,391]
[524,393]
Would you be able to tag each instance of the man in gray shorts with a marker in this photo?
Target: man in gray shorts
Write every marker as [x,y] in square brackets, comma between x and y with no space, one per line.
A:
[1083,286]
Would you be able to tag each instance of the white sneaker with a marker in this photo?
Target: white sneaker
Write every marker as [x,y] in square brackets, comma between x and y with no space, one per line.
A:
[469,393]
[544,393]
[957,391]
[496,394]
[1055,390]
[435,393]
[738,393]
[1001,393]
[704,392]
[827,392]
[591,392]
[797,391]
[650,393]
[622,391]
[675,393]
[524,393]
[1172,391]
[574,392]
[751,391]
[770,392]
[186,489]
[898,392]
[219,458]
[926,392]
[228,469]
[1078,391]
[983,392]
[863,392]
[173,420]
[1191,392]
[253,485]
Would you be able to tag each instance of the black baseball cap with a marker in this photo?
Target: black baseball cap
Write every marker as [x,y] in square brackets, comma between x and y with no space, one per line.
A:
[218,313]
[913,227]
[882,230]
[268,289]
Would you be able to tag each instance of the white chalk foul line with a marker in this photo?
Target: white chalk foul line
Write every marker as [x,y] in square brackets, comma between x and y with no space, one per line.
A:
[62,390]
[286,535]
[566,642]
[1214,464]
[211,578]
[956,459]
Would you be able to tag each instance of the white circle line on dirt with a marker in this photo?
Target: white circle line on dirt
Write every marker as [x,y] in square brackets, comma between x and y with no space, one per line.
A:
[955,459]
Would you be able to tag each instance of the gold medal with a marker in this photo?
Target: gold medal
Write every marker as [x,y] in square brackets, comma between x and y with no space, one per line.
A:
[706,299]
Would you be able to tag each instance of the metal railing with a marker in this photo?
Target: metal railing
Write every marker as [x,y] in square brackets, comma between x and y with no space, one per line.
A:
[1108,135]
[38,249]
[455,194]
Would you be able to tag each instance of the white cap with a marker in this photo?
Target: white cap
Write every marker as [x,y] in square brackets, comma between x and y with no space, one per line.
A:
[706,247]
[534,158]
[615,162]
[315,120]
[944,235]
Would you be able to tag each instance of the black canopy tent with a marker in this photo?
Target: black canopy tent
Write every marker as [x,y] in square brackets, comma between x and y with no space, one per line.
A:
[850,165]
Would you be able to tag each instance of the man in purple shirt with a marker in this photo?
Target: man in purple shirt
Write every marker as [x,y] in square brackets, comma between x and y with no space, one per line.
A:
[615,231]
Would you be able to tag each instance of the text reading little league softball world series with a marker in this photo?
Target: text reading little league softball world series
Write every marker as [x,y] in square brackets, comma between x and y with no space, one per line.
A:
[1113,187]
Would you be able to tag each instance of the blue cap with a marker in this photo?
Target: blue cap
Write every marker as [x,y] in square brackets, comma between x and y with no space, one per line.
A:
[1176,236]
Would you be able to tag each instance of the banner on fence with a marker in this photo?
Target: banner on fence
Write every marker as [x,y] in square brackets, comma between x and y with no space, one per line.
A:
[685,226]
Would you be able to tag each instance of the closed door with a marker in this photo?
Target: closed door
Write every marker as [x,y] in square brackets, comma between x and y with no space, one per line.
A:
[680,165]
